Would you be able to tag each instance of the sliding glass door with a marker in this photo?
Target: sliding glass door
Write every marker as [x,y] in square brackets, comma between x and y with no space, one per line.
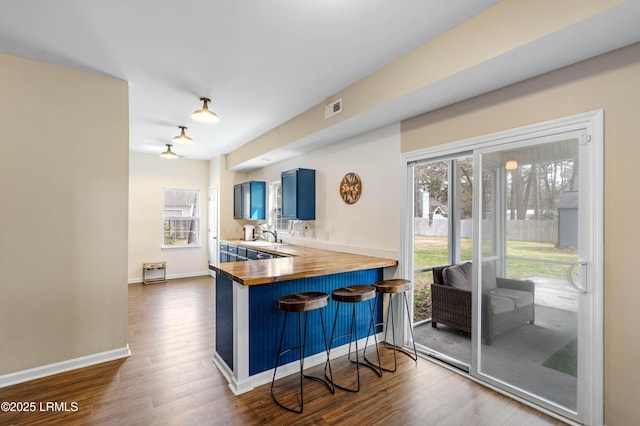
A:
[442,235]
[532,317]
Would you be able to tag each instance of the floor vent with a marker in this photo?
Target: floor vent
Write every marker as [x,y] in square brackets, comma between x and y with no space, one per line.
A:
[333,108]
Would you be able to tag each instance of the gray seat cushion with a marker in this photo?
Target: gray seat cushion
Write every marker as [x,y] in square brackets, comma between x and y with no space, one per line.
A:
[520,298]
[500,304]
[458,276]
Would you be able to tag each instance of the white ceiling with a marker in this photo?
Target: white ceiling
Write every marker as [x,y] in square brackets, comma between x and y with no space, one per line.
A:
[264,62]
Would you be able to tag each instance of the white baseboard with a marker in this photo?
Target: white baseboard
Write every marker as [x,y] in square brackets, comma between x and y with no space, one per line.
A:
[239,387]
[61,367]
[174,276]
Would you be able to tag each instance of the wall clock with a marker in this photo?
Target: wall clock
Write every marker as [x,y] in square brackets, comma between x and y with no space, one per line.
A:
[350,188]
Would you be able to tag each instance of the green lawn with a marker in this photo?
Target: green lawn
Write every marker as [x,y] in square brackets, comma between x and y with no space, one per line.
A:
[433,251]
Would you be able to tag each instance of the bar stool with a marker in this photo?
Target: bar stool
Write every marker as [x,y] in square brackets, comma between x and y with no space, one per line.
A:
[391,287]
[353,295]
[302,302]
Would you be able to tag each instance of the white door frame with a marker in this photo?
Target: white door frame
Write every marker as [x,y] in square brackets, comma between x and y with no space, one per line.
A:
[591,369]
[213,226]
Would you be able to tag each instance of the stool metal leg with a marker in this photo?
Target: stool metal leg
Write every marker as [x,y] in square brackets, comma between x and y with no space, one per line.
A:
[413,356]
[302,339]
[372,327]
[281,352]
[395,347]
[353,336]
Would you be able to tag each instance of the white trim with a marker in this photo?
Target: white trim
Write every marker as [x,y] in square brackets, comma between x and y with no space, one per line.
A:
[241,335]
[559,125]
[62,366]
[596,272]
[175,276]
[238,387]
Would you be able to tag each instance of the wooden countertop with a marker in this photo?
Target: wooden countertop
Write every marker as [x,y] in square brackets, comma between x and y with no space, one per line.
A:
[301,262]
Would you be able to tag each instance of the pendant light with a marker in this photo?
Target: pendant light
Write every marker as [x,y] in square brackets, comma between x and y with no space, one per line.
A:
[182,137]
[511,165]
[168,153]
[205,115]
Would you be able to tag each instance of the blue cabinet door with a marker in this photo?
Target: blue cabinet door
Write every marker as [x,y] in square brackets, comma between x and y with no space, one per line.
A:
[250,200]
[289,184]
[254,200]
[299,194]
[237,201]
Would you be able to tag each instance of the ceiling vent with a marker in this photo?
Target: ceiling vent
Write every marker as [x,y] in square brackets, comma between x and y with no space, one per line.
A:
[333,108]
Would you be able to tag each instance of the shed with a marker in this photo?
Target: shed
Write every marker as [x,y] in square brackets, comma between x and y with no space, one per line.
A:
[568,219]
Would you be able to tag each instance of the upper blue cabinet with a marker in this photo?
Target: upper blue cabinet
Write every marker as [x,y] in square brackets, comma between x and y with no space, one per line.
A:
[250,200]
[299,194]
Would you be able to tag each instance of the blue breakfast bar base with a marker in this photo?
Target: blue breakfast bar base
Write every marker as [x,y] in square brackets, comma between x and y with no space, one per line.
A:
[248,325]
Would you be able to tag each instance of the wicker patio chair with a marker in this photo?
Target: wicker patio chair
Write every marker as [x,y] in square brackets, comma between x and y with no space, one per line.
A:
[450,306]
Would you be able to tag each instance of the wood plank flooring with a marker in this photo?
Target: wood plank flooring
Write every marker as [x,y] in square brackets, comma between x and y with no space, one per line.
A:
[170,379]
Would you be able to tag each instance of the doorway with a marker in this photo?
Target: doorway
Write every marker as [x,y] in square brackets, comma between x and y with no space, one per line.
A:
[535,271]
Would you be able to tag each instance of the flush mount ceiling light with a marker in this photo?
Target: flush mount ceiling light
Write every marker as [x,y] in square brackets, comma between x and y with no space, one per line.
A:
[182,137]
[511,165]
[168,153]
[205,115]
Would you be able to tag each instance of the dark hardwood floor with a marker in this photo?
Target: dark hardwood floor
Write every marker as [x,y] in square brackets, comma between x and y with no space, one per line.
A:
[170,379]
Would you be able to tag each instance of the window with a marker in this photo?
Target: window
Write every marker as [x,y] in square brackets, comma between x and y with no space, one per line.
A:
[181,213]
[275,208]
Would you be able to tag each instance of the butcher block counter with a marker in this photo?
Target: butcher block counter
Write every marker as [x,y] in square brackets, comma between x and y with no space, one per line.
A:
[248,320]
[298,262]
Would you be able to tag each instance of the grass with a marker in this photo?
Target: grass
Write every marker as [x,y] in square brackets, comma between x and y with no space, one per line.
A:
[433,251]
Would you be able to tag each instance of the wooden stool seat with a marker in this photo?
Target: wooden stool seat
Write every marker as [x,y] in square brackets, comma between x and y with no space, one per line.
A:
[354,293]
[393,286]
[302,302]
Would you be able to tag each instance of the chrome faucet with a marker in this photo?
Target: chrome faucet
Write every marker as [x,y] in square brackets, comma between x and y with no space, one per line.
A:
[274,233]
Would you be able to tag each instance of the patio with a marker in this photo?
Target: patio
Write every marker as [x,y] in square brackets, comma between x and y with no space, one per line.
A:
[517,356]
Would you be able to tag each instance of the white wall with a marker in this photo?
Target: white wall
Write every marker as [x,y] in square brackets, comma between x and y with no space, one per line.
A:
[148,175]
[369,226]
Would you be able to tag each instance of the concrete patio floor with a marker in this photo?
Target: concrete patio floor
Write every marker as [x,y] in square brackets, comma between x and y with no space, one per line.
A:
[516,356]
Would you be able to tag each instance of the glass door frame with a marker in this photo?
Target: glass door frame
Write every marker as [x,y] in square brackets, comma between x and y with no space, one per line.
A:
[591,320]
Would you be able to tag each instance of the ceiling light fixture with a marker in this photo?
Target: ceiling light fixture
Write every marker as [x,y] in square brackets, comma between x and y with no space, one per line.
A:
[168,153]
[205,115]
[182,137]
[511,165]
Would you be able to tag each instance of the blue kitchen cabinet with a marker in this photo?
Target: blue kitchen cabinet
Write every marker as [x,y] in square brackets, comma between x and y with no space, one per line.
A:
[250,200]
[299,194]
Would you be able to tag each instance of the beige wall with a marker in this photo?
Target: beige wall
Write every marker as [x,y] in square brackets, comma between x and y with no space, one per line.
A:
[610,82]
[63,251]
[149,174]
[225,179]
[368,226]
